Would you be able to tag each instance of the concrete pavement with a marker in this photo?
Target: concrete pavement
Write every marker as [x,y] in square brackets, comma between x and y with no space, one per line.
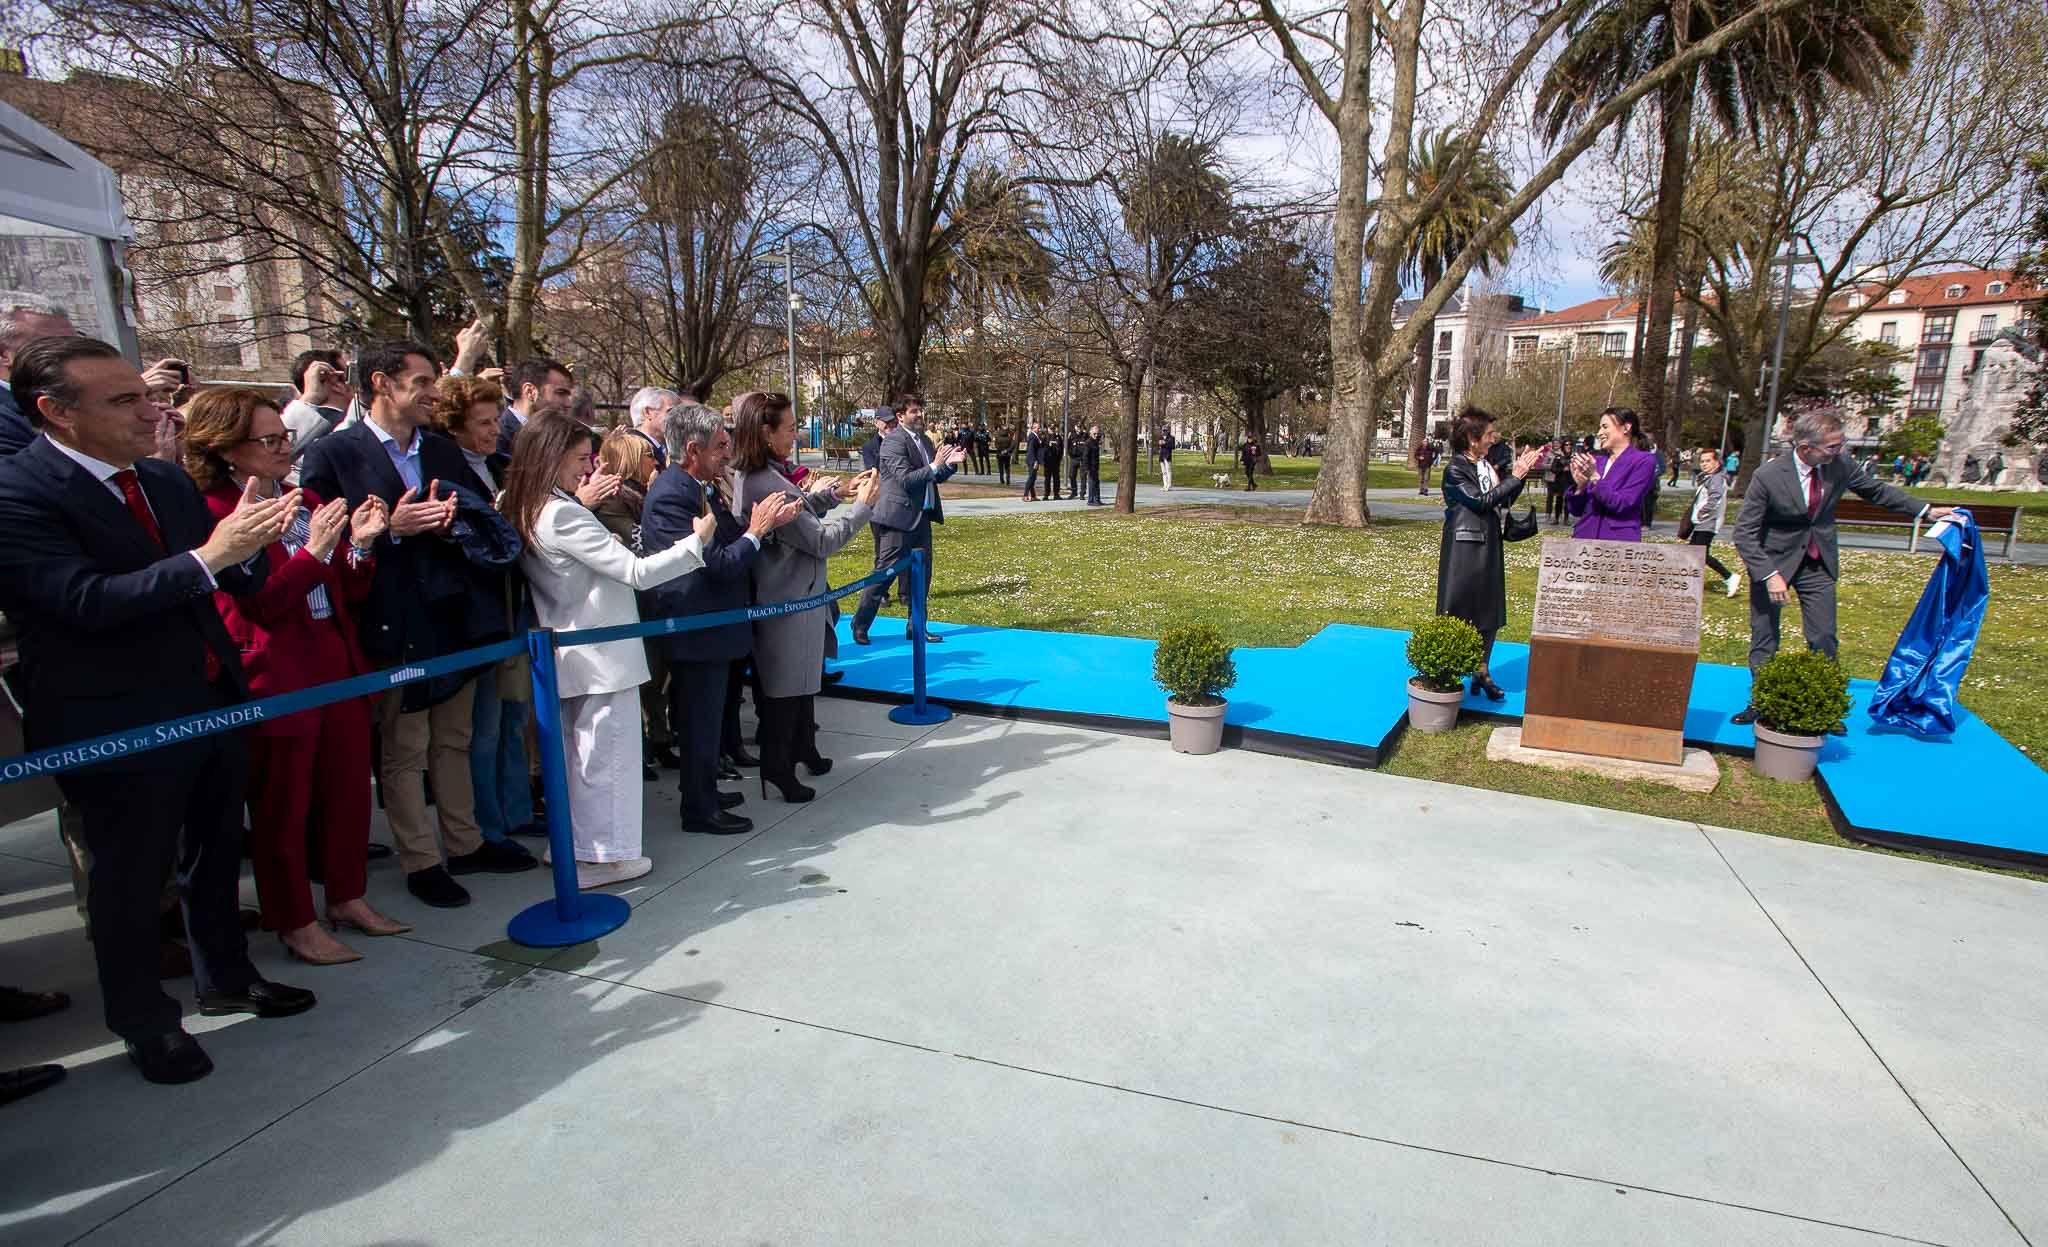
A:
[1025,983]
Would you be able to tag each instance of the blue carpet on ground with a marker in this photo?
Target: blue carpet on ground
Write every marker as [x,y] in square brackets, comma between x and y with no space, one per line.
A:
[1343,689]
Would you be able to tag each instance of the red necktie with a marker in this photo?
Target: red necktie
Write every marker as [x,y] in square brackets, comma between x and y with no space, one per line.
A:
[1813,512]
[138,506]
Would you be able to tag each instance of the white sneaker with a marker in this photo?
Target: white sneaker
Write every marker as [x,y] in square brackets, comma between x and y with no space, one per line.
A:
[1734,583]
[602,874]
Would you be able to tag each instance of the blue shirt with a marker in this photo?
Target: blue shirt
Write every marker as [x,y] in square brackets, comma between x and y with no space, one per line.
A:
[407,461]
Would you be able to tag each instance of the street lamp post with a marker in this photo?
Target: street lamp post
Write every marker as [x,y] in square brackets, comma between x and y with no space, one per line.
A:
[1788,259]
[795,302]
[1564,373]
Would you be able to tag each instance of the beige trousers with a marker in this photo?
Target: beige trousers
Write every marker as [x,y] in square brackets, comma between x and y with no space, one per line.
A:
[436,740]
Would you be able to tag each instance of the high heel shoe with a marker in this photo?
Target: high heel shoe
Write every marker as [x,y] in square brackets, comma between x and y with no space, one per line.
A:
[342,958]
[787,787]
[818,764]
[391,926]
[1484,684]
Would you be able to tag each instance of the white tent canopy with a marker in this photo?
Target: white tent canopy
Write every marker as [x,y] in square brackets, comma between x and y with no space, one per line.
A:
[61,229]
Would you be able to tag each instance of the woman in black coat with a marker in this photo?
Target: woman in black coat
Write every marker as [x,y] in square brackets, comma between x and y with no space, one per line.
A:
[1471,572]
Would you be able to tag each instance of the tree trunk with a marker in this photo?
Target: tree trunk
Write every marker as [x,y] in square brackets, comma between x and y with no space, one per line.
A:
[1653,377]
[1425,362]
[1255,429]
[1681,394]
[1132,385]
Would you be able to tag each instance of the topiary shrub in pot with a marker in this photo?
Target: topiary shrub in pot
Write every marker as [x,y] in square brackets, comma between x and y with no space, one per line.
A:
[1799,697]
[1443,652]
[1193,665]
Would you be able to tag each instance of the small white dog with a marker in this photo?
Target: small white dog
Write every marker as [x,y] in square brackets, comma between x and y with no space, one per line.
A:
[1222,479]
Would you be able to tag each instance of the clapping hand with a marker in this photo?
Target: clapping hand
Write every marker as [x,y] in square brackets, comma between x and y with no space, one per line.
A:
[821,485]
[772,513]
[597,487]
[253,524]
[1582,467]
[425,515]
[323,531]
[867,487]
[368,523]
[1526,462]
[952,455]
[705,527]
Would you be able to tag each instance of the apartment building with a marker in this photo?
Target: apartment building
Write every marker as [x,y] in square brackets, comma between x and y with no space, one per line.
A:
[1944,321]
[1470,334]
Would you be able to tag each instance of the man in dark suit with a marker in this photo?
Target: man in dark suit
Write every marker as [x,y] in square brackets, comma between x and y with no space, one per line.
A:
[20,325]
[1051,449]
[700,662]
[1785,532]
[427,600]
[1034,459]
[108,571]
[871,460]
[538,387]
[1077,462]
[1091,453]
[908,506]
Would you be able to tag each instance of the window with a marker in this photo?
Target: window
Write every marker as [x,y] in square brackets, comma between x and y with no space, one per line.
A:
[1927,393]
[1889,332]
[1442,399]
[224,294]
[1939,328]
[1987,325]
[1996,287]
[1443,368]
[1855,298]
[1934,359]
[1525,344]
[1956,291]
[1896,296]
[1617,344]
[1443,341]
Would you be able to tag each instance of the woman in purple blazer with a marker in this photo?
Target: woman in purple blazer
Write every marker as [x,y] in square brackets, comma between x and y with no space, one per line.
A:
[1607,496]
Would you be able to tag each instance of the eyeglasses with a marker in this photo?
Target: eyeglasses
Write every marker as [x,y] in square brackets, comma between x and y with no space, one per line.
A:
[271,441]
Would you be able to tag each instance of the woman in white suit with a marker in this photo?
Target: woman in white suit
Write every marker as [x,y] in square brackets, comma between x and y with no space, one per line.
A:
[583,577]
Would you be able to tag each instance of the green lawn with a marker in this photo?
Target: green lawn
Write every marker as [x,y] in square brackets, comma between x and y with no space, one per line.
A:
[1268,581]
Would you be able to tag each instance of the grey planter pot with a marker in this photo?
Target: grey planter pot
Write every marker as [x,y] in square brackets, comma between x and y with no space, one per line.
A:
[1195,729]
[1787,757]
[1431,711]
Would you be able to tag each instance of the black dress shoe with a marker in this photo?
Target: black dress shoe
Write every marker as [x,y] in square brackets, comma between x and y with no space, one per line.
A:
[172,1057]
[731,800]
[665,756]
[860,636]
[719,824]
[378,851]
[433,886]
[263,998]
[727,770]
[17,1005]
[499,857]
[833,677]
[930,638]
[17,1084]
[649,772]
[1746,715]
[740,757]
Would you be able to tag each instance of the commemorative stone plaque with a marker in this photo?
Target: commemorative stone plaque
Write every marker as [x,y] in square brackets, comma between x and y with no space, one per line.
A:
[1612,648]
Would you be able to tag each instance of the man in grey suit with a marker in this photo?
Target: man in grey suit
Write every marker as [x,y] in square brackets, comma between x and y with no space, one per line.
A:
[908,504]
[1785,532]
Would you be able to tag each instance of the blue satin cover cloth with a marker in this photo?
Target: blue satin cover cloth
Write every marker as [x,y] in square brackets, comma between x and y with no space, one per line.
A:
[1926,668]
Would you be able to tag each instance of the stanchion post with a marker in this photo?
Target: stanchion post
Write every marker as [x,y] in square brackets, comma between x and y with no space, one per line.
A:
[570,918]
[919,713]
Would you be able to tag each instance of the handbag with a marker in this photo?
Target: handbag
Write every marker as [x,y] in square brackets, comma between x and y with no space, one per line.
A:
[1519,527]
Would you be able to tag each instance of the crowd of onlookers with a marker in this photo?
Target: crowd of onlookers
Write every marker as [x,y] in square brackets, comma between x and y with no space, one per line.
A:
[174,550]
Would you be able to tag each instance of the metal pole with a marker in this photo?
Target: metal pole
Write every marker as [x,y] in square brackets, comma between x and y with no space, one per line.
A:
[919,712]
[1066,397]
[1778,356]
[789,281]
[1727,404]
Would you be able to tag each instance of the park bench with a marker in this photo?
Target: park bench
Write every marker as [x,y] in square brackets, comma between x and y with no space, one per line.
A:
[1991,520]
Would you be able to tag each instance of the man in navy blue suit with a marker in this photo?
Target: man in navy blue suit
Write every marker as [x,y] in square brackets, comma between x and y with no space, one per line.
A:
[108,571]
[20,325]
[426,600]
[908,507]
[700,661]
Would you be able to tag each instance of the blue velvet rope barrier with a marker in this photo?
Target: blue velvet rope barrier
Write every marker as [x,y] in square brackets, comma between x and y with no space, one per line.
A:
[82,753]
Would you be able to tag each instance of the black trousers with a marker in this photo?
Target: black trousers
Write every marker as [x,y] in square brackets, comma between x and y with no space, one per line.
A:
[1706,538]
[1076,473]
[1251,479]
[696,710]
[892,544]
[1003,468]
[1052,479]
[1095,485]
[1031,480]
[1553,505]
[184,813]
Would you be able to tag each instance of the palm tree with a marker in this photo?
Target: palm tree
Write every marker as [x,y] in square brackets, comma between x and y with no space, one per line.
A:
[1788,63]
[990,252]
[1479,194]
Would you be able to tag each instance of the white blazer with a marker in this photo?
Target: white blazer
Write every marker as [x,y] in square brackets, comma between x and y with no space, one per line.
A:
[582,577]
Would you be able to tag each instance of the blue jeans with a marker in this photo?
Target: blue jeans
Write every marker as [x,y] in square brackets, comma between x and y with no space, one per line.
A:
[497,761]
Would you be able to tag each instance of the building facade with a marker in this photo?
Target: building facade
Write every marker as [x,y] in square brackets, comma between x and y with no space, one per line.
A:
[1471,334]
[1944,322]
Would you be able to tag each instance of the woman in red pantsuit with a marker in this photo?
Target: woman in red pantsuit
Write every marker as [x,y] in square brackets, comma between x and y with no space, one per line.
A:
[310,769]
